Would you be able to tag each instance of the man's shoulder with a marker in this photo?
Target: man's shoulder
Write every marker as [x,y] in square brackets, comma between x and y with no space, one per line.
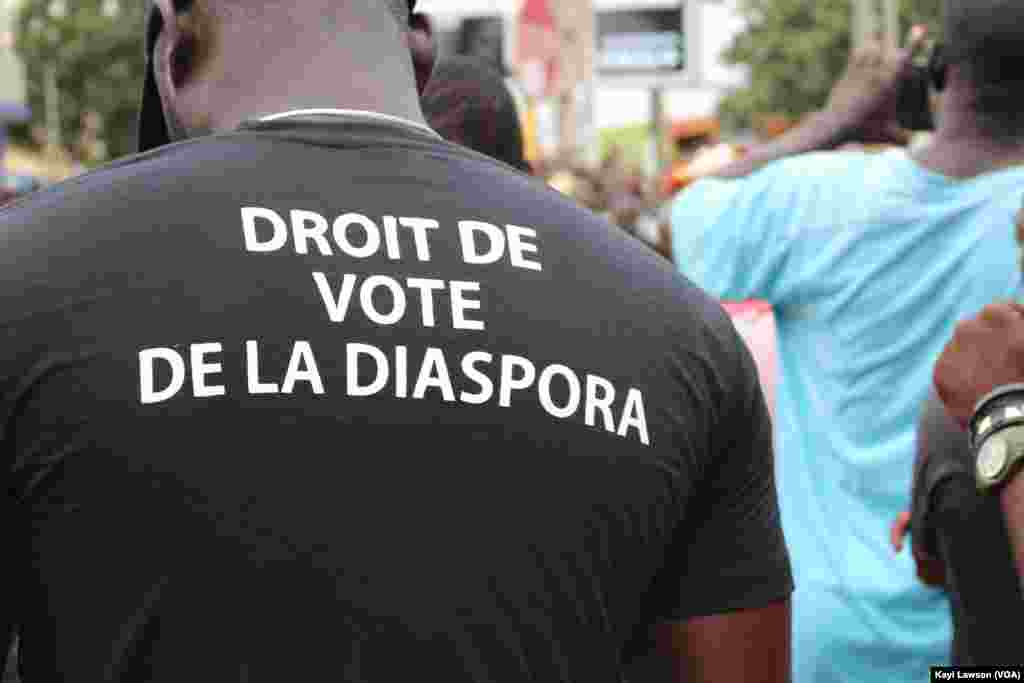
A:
[810,177]
[826,167]
[109,183]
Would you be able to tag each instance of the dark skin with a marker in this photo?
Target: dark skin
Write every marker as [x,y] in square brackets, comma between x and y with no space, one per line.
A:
[986,352]
[749,645]
[212,79]
[383,66]
[862,110]
[421,45]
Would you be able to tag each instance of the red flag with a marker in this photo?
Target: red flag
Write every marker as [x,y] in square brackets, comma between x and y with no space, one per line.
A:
[537,54]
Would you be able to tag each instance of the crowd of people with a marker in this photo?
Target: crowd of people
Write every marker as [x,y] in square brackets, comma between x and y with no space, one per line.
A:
[234,449]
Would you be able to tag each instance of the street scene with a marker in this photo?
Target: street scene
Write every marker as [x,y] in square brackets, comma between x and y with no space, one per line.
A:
[509,340]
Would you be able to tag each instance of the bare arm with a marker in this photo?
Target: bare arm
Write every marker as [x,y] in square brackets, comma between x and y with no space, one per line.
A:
[861,107]
[748,645]
[819,132]
[986,352]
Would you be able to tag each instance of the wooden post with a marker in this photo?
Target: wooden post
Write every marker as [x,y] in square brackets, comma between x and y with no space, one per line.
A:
[575,19]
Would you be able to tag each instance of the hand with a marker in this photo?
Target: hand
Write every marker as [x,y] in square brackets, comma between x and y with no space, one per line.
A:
[863,104]
[1020,235]
[986,352]
[900,529]
[930,571]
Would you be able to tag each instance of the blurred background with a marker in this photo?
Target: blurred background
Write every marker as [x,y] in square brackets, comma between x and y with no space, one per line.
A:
[616,95]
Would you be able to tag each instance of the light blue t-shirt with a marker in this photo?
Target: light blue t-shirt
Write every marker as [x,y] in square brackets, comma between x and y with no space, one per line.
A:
[870,260]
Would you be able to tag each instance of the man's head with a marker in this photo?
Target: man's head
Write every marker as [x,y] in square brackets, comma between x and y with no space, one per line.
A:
[983,54]
[207,59]
[468,103]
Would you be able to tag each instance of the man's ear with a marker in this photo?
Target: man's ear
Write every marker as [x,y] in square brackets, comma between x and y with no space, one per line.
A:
[420,38]
[167,42]
[176,58]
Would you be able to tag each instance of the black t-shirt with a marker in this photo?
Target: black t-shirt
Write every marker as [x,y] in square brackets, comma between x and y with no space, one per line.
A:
[335,400]
[966,531]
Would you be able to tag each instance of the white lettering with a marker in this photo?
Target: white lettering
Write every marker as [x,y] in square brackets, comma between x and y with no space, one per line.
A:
[252,238]
[397,300]
[633,416]
[302,368]
[307,226]
[600,396]
[340,230]
[391,237]
[401,372]
[509,383]
[544,391]
[467,236]
[427,289]
[337,306]
[469,362]
[434,374]
[419,227]
[352,370]
[517,247]
[147,375]
[200,369]
[460,304]
[252,362]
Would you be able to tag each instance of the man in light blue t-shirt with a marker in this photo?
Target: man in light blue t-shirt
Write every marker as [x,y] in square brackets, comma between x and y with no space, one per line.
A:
[870,260]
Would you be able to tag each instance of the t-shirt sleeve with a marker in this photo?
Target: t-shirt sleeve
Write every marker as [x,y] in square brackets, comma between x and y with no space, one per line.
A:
[764,236]
[729,552]
[943,452]
[728,236]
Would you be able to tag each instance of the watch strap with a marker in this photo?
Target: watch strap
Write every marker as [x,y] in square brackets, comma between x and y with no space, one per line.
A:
[999,408]
[999,457]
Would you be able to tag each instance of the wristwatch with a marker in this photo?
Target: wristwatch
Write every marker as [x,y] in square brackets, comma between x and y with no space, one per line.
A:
[997,437]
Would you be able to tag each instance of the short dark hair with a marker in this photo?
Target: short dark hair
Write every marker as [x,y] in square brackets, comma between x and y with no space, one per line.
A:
[987,38]
[468,103]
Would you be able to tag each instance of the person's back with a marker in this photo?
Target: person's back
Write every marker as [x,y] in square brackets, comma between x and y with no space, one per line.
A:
[869,261]
[326,397]
[858,336]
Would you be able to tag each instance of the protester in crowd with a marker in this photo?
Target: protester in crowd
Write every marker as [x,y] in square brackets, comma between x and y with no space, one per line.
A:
[7,196]
[980,378]
[468,103]
[321,396]
[869,261]
[960,542]
[691,138]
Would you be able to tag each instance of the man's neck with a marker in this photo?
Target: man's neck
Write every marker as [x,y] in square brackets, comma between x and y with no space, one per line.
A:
[295,81]
[241,112]
[969,157]
[960,149]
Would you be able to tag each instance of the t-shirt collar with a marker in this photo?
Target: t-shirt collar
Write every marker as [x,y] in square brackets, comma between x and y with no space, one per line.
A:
[352,114]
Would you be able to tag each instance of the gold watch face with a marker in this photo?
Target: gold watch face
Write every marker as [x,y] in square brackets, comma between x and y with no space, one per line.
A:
[992,458]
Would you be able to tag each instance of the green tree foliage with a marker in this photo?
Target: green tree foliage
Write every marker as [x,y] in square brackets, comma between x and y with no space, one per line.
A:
[96,48]
[795,50]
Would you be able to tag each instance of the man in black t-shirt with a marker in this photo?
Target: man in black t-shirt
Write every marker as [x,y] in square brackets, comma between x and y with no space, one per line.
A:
[960,543]
[316,395]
